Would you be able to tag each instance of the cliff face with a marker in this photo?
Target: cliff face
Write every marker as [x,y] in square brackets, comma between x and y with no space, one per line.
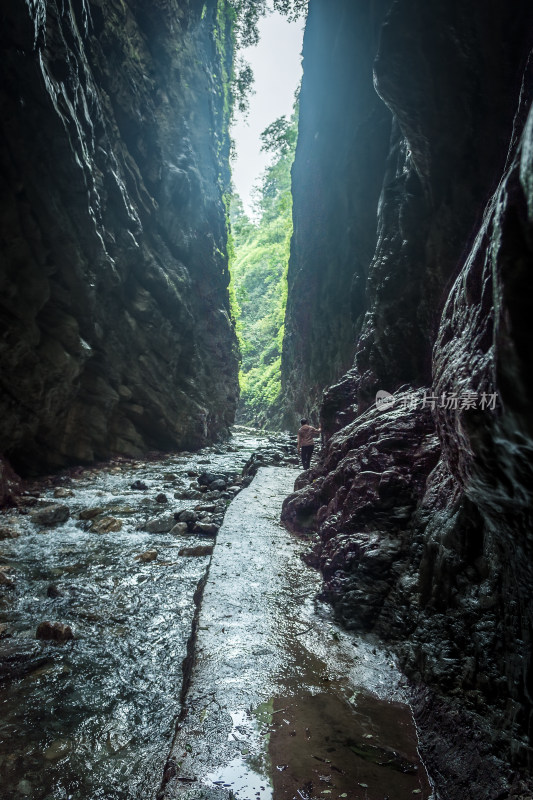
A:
[116,332]
[421,510]
[337,177]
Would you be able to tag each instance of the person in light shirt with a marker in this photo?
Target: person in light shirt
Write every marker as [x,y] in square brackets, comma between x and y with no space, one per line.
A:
[306,434]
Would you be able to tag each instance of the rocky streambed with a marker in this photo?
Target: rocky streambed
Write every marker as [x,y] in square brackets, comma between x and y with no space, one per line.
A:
[100,570]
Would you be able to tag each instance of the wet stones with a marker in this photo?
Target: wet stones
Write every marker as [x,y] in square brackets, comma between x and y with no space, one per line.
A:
[180,529]
[138,486]
[61,491]
[213,480]
[17,658]
[90,513]
[162,524]
[54,631]
[51,515]
[187,516]
[8,533]
[206,528]
[106,525]
[149,555]
[196,552]
[5,581]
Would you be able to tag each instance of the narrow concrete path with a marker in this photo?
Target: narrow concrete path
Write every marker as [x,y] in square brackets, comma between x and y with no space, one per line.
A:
[281,703]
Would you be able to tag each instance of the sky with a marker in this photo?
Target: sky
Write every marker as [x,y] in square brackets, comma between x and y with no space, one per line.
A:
[276,62]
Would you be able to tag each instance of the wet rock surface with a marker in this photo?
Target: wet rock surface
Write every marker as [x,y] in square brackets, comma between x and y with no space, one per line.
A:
[94,715]
[114,307]
[281,703]
[420,518]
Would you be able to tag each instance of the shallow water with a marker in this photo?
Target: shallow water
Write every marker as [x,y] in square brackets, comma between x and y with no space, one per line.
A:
[96,719]
[282,703]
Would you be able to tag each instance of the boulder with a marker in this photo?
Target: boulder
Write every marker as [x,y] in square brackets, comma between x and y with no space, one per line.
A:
[54,631]
[90,513]
[162,524]
[6,582]
[180,529]
[206,528]
[62,492]
[149,555]
[106,525]
[187,516]
[138,486]
[198,551]
[207,478]
[51,515]
[8,533]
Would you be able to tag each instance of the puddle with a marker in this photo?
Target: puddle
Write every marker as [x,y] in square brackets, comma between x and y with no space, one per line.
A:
[324,745]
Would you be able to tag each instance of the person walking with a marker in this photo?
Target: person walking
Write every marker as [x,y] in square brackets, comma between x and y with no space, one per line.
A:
[306,434]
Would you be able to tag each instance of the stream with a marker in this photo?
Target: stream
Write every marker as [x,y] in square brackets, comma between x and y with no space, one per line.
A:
[93,717]
[281,703]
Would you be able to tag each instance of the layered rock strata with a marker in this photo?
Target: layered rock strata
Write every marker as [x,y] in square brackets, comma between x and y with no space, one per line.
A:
[420,511]
[116,330]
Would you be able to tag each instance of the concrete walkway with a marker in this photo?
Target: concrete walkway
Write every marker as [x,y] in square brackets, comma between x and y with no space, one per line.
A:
[282,704]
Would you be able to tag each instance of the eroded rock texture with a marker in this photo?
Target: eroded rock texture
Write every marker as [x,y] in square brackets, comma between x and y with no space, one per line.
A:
[421,512]
[116,333]
[337,177]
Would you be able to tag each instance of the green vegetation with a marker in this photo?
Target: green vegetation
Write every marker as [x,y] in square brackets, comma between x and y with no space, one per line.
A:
[259,254]
[246,15]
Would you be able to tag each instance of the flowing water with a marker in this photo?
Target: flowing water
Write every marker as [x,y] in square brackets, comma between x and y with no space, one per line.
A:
[93,717]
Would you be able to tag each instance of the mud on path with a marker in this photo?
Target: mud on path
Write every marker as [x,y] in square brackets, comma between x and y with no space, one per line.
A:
[282,704]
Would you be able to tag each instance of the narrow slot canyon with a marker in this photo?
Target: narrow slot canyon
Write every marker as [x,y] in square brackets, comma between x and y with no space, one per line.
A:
[185,611]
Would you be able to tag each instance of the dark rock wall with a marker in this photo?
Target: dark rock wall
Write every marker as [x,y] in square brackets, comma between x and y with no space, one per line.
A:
[421,512]
[337,178]
[114,314]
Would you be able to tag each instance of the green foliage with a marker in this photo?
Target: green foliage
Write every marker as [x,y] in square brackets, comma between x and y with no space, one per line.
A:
[259,274]
[246,16]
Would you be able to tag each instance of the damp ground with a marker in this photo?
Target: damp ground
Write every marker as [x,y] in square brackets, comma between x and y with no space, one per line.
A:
[281,703]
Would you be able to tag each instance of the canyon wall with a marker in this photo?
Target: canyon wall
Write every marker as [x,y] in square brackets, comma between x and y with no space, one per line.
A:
[337,178]
[116,334]
[419,510]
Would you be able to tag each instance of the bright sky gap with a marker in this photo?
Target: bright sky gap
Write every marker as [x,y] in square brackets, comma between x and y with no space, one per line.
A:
[277,67]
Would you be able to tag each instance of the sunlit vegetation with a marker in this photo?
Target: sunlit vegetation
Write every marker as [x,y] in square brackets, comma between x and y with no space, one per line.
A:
[246,15]
[259,264]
